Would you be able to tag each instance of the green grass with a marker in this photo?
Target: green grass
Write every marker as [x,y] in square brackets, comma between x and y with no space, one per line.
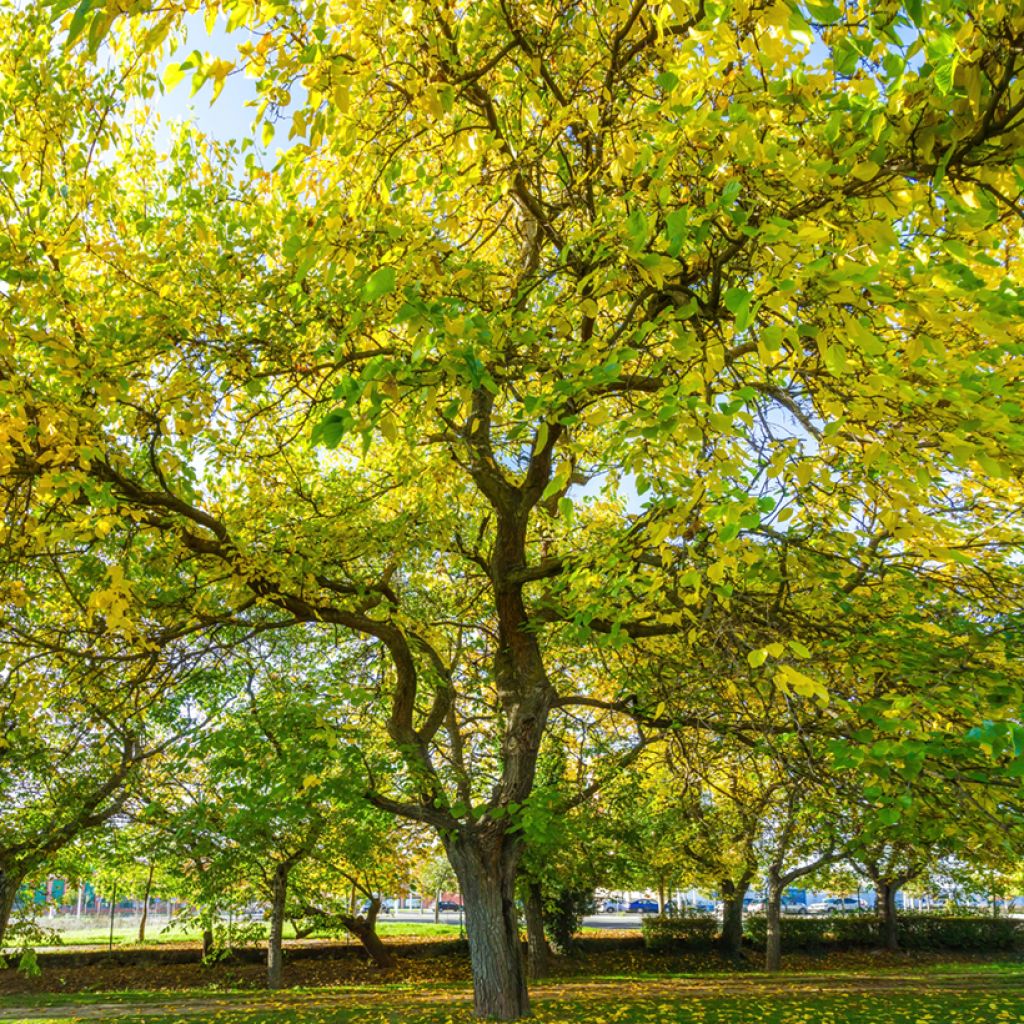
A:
[156,936]
[844,1008]
[945,993]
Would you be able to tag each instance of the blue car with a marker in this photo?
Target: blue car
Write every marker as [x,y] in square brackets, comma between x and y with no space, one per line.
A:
[643,907]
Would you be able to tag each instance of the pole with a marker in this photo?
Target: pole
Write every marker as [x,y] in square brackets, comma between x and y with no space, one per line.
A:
[113,903]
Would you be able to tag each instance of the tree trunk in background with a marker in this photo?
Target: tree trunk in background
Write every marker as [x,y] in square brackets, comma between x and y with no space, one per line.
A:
[661,896]
[773,914]
[365,930]
[367,935]
[145,906]
[437,907]
[486,868]
[275,948]
[888,923]
[10,882]
[206,920]
[538,953]
[732,919]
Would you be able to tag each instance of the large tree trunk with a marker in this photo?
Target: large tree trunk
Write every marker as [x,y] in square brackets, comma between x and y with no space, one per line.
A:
[538,953]
[145,906]
[10,882]
[885,907]
[486,869]
[773,914]
[275,946]
[732,918]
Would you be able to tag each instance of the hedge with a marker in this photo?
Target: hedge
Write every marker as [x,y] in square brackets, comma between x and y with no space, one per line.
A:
[915,931]
[688,931]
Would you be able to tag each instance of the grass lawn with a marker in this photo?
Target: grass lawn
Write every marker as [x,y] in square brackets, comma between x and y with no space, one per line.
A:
[126,936]
[938,994]
[844,1008]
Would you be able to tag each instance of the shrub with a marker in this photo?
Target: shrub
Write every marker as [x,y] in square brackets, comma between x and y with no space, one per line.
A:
[916,931]
[960,932]
[687,930]
[563,916]
[837,931]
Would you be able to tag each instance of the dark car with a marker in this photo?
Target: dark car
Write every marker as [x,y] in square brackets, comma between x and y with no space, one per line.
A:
[643,907]
[448,906]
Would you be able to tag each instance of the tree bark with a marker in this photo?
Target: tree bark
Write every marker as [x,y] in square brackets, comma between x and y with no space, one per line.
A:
[365,930]
[366,933]
[486,868]
[885,907]
[732,918]
[10,882]
[538,952]
[145,906]
[773,915]
[437,907]
[275,948]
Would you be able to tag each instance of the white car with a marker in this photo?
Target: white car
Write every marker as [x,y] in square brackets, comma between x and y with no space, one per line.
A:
[836,905]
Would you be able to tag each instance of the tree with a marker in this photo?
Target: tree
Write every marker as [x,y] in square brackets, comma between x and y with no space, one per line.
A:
[277,809]
[435,876]
[731,293]
[799,829]
[76,740]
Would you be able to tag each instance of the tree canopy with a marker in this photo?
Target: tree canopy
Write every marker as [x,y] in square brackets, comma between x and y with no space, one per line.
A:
[590,358]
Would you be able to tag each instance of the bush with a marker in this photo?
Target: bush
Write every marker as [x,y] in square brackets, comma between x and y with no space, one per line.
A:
[916,931]
[837,931]
[563,916]
[960,932]
[687,930]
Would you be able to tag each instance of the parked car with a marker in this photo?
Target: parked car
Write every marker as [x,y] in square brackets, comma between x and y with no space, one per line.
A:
[386,907]
[448,906]
[687,907]
[793,907]
[836,905]
[643,907]
[614,907]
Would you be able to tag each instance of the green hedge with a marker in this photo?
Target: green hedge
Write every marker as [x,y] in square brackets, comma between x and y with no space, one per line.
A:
[978,934]
[916,931]
[688,931]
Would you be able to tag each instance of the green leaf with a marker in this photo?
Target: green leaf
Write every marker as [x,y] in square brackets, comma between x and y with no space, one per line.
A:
[729,532]
[331,429]
[826,14]
[799,649]
[77,25]
[757,658]
[667,80]
[737,301]
[845,58]
[558,480]
[380,283]
[675,230]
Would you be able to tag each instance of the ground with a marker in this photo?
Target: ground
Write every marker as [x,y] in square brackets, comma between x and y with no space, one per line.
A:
[608,985]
